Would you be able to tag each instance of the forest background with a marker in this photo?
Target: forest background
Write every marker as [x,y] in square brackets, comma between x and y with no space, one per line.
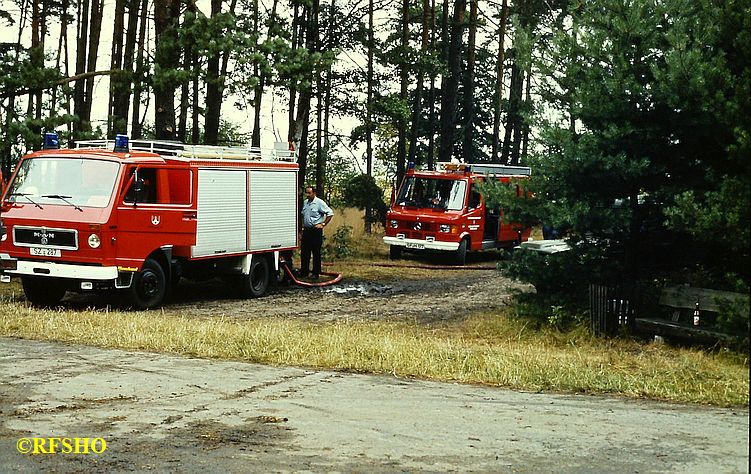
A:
[635,115]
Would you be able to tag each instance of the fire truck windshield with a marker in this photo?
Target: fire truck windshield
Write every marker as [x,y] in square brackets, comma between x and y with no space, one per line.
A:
[66,181]
[433,193]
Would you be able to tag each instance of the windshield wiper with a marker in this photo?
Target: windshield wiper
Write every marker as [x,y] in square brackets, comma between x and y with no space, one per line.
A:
[63,198]
[26,195]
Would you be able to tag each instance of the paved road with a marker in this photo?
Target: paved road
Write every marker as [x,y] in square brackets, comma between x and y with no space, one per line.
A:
[172,414]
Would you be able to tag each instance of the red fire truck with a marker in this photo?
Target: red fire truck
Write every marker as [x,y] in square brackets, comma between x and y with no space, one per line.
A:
[444,211]
[137,216]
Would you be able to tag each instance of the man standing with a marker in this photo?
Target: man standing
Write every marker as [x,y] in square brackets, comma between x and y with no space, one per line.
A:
[315,215]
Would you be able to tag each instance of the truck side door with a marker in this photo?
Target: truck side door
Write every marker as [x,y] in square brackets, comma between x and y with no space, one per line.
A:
[475,221]
[155,208]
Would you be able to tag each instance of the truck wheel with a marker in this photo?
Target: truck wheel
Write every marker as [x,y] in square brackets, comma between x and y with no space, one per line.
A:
[149,286]
[460,257]
[256,282]
[43,291]
[395,252]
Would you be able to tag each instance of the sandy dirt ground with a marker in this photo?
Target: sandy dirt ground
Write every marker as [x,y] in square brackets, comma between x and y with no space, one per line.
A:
[163,413]
[434,300]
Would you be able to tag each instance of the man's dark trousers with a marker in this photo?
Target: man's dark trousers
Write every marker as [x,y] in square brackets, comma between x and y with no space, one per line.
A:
[312,239]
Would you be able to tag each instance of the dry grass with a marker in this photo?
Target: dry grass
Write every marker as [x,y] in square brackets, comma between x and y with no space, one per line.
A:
[486,349]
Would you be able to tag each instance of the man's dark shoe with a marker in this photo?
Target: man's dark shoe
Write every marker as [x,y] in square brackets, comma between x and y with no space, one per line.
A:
[314,277]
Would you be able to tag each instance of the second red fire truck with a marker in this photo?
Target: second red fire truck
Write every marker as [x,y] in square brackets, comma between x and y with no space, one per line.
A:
[444,211]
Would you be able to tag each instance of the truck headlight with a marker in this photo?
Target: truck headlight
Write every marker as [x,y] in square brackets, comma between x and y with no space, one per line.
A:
[394,224]
[94,241]
[445,228]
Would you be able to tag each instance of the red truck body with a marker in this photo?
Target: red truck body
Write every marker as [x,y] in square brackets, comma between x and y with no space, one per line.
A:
[138,219]
[444,211]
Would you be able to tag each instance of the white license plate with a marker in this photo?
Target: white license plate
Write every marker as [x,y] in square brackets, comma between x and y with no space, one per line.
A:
[411,245]
[38,252]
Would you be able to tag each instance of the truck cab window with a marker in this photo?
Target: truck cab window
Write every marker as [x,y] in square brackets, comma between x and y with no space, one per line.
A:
[475,198]
[142,187]
[160,186]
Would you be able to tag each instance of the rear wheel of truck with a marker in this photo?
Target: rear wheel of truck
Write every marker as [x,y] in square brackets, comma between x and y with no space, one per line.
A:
[149,286]
[395,252]
[256,282]
[43,291]
[460,257]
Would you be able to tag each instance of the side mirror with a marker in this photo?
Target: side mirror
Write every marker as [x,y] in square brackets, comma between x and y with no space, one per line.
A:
[139,190]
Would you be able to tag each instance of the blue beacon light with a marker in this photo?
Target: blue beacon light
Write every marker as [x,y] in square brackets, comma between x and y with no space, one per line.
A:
[121,143]
[51,141]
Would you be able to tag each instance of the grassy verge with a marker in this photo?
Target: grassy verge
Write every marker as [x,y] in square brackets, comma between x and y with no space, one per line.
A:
[486,348]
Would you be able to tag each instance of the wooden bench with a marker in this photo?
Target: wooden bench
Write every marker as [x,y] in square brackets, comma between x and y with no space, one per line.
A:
[684,301]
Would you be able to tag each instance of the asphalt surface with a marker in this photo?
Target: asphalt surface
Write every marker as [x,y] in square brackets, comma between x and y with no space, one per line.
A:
[164,413]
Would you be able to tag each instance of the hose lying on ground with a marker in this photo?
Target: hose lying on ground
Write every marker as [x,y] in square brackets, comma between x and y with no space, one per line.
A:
[424,267]
[337,277]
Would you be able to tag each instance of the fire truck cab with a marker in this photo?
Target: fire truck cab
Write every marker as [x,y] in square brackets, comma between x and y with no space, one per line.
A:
[135,217]
[444,211]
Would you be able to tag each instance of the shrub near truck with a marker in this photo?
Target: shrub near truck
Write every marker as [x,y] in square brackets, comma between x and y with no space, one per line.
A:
[136,219]
[444,211]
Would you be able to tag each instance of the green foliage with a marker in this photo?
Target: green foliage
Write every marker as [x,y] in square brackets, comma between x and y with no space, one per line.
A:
[339,244]
[362,192]
[647,161]
[733,318]
[21,132]
[518,206]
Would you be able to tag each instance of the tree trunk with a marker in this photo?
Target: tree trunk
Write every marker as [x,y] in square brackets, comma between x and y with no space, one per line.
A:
[527,106]
[115,123]
[166,57]
[303,105]
[61,47]
[259,89]
[319,133]
[498,102]
[518,118]
[138,77]
[401,123]
[513,111]
[298,22]
[79,89]
[369,106]
[36,53]
[431,94]
[369,111]
[214,87]
[417,112]
[469,93]
[95,30]
[327,102]
[450,83]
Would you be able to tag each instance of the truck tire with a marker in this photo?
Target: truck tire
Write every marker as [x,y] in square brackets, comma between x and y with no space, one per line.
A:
[149,286]
[256,282]
[460,257]
[395,252]
[43,291]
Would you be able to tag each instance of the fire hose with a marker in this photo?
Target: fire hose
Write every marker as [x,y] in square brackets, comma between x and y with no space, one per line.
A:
[337,277]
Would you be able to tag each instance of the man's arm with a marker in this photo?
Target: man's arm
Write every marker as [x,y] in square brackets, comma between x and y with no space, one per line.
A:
[329,214]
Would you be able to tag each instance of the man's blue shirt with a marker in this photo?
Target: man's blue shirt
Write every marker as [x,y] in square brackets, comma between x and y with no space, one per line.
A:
[314,212]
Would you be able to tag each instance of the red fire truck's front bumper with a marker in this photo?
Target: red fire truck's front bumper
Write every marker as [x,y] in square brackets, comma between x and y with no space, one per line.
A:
[427,243]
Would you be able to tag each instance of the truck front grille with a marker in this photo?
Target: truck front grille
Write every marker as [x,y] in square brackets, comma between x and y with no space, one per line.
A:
[45,237]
